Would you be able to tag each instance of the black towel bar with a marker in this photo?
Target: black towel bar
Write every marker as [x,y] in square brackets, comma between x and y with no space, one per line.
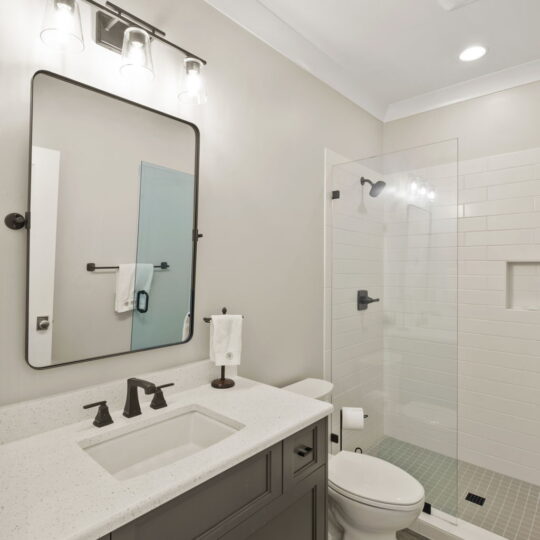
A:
[90,267]
[209,319]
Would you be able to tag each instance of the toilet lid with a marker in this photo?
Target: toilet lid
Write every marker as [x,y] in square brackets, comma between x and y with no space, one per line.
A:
[373,481]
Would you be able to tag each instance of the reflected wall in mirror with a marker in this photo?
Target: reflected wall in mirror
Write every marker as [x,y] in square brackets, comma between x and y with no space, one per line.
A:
[113,225]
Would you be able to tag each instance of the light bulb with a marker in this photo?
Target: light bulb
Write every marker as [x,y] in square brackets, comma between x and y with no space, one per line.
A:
[192,88]
[431,195]
[414,187]
[61,27]
[422,191]
[136,56]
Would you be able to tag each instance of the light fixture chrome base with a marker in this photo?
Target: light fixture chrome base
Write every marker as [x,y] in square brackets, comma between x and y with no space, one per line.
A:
[110,31]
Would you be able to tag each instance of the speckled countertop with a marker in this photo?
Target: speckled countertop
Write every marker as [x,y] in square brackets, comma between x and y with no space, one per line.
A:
[50,489]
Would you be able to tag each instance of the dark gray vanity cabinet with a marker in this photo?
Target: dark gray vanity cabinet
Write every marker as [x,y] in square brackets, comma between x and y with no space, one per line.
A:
[278,493]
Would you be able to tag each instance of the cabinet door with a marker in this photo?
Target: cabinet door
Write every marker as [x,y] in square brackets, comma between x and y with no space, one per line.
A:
[298,515]
[215,506]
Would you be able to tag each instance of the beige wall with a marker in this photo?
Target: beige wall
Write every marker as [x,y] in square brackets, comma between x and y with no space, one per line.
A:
[263,134]
[501,122]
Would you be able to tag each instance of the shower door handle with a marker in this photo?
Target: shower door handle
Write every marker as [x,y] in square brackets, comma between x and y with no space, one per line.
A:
[142,301]
[363,300]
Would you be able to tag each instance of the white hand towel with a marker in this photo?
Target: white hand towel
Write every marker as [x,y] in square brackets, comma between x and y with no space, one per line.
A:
[130,279]
[226,340]
[143,277]
[186,327]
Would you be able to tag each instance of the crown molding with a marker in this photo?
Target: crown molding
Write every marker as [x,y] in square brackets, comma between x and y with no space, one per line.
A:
[473,88]
[264,24]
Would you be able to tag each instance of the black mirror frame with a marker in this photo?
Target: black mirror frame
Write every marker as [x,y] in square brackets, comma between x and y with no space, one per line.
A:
[196,234]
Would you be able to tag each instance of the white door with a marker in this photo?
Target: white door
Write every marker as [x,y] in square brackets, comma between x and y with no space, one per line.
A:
[43,220]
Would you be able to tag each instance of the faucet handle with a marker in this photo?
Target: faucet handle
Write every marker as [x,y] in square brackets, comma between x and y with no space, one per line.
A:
[103,417]
[158,401]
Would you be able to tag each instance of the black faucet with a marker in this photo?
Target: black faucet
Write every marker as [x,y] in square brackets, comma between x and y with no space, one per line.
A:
[132,406]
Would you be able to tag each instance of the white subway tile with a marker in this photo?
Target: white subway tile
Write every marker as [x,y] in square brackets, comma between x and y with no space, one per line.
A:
[530,156]
[473,195]
[502,176]
[514,253]
[512,191]
[494,238]
[482,282]
[481,267]
[467,224]
[503,206]
[514,221]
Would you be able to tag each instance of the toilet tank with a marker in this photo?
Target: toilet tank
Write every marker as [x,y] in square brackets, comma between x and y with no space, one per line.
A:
[313,388]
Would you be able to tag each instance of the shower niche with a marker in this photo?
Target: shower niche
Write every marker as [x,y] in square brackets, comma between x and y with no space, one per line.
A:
[523,285]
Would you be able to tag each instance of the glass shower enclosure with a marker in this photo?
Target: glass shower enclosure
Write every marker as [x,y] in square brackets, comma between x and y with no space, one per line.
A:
[394,240]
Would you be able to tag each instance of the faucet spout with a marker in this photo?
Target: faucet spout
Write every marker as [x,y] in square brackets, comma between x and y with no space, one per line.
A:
[132,406]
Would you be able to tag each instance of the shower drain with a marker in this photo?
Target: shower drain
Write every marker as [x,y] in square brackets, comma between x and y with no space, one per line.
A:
[476,499]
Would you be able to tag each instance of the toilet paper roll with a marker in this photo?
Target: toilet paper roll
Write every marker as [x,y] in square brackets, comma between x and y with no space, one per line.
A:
[353,417]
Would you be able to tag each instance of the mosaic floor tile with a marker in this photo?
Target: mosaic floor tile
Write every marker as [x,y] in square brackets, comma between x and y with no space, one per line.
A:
[511,508]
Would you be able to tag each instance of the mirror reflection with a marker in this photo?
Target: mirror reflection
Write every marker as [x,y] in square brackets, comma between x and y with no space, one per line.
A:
[113,193]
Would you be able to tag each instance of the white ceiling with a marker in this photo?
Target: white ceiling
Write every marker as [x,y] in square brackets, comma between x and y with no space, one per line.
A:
[400,57]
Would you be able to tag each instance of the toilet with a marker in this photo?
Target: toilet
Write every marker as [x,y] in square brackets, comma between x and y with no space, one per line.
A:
[370,499]
[313,388]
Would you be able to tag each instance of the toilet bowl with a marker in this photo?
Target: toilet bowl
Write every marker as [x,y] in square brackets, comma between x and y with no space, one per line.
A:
[371,499]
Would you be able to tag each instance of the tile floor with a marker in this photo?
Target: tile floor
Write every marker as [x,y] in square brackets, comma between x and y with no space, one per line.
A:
[511,509]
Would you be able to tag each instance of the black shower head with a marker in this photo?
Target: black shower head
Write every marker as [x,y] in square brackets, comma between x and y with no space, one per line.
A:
[376,188]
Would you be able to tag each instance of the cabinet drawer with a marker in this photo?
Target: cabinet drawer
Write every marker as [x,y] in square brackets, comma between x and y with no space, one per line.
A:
[215,506]
[304,452]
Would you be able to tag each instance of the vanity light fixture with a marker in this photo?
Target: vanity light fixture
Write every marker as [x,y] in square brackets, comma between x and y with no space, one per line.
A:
[126,34]
[472,53]
[61,27]
[192,90]
[137,62]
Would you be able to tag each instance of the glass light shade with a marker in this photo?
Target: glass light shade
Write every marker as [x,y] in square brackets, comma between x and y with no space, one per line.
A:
[192,89]
[62,29]
[137,62]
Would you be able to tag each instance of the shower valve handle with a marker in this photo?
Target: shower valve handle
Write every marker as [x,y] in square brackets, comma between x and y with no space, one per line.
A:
[363,300]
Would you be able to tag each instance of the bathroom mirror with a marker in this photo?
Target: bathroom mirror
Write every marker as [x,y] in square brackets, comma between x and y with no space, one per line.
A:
[113,225]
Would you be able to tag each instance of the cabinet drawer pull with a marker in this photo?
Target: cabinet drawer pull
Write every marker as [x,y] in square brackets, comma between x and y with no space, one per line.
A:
[303,450]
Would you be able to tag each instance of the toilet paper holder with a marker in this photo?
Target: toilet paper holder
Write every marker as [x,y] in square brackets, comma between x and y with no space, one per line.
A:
[341,428]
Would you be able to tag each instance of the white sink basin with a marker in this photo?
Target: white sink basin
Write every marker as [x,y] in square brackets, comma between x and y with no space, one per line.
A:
[160,443]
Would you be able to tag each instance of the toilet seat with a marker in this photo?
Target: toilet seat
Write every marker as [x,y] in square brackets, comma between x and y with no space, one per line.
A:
[373,481]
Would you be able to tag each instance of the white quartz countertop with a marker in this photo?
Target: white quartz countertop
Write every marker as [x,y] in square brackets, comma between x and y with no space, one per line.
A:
[50,489]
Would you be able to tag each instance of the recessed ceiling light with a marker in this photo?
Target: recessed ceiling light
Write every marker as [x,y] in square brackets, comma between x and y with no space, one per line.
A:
[472,53]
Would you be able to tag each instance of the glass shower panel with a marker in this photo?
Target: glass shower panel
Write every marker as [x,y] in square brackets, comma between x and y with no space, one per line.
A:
[165,235]
[395,237]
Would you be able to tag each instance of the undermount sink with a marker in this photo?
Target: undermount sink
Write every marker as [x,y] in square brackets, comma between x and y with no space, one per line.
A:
[161,443]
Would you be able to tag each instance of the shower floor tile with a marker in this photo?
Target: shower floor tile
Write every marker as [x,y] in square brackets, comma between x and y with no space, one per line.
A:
[511,509]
